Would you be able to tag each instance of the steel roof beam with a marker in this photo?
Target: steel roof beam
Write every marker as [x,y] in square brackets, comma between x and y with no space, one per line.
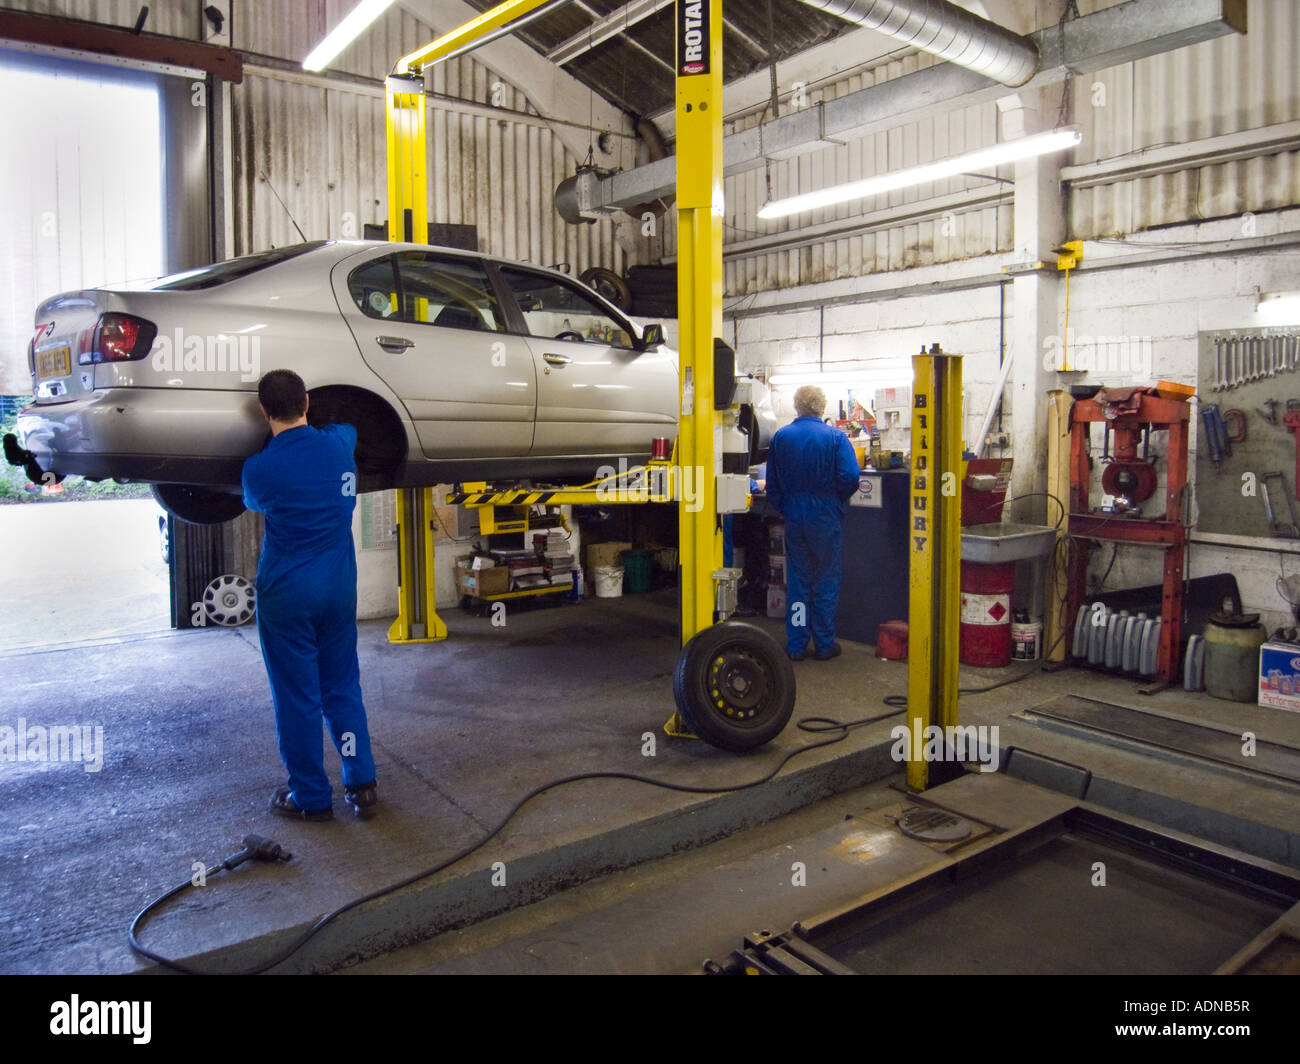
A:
[604,28]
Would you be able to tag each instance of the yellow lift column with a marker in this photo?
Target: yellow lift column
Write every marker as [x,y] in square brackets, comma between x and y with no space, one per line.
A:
[699,314]
[408,220]
[699,298]
[734,685]
[934,599]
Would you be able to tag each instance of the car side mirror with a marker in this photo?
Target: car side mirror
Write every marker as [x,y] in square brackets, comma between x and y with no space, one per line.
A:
[652,336]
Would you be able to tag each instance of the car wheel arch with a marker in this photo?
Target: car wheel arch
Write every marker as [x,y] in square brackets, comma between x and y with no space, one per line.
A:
[383,443]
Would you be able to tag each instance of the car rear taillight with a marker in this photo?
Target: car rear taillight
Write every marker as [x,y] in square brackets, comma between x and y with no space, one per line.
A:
[117,338]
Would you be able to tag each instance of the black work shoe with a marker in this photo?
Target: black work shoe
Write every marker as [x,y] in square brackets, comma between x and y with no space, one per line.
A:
[799,656]
[364,799]
[834,652]
[282,804]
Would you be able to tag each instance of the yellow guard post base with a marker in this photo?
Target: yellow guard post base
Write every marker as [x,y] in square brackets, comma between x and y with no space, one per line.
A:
[417,621]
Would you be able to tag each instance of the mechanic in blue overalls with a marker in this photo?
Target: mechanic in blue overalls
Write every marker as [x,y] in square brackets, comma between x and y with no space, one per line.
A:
[304,481]
[812,471]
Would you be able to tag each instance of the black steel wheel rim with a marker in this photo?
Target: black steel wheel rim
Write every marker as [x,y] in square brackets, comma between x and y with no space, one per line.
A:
[739,685]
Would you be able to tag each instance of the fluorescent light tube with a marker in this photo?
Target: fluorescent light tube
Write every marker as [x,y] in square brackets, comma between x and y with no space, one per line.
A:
[867,378]
[1025,148]
[353,25]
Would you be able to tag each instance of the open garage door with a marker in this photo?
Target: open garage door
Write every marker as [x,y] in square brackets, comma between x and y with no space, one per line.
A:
[104,178]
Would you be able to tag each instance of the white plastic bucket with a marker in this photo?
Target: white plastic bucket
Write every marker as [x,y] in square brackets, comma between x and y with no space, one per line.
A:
[609,581]
[1025,640]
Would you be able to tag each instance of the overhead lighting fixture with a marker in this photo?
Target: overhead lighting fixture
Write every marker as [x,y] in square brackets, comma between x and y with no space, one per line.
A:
[1011,151]
[347,31]
[1279,308]
[867,378]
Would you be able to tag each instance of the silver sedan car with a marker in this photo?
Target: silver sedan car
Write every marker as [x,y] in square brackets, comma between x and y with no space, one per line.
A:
[453,366]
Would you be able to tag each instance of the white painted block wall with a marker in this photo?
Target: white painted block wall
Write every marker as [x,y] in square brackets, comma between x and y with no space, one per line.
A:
[1156,308]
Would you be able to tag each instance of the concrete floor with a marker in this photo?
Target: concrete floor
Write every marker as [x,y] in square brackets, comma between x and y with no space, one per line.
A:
[462,730]
[1036,912]
[83,570]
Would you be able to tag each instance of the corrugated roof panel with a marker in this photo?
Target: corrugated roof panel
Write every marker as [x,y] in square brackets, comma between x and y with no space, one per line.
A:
[606,68]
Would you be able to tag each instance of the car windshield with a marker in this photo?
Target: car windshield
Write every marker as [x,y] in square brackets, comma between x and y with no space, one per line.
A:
[230,270]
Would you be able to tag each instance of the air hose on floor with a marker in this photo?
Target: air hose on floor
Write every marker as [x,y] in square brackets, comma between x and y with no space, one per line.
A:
[258,848]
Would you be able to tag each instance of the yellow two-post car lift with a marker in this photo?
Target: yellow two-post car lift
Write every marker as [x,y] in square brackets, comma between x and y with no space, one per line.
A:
[734,684]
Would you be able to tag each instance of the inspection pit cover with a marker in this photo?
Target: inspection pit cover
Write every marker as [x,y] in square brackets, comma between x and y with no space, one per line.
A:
[933,825]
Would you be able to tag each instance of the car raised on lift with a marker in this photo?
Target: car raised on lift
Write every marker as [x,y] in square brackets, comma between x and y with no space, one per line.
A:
[452,365]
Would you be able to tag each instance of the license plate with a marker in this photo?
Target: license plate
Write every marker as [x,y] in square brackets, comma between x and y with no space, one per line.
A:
[56,362]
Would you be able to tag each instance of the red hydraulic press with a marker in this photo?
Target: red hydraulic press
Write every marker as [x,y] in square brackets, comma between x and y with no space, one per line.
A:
[1131,479]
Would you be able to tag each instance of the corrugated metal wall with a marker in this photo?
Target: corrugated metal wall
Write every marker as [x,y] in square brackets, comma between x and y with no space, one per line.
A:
[323,148]
[174,18]
[955,237]
[958,236]
[323,152]
[1228,85]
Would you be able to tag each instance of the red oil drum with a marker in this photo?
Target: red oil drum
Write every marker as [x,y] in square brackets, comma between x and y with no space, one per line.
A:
[986,613]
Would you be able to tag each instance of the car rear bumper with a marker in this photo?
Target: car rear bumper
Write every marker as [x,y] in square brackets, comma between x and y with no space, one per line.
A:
[163,435]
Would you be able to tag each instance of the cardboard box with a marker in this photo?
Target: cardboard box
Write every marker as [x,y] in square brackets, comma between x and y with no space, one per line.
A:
[481,583]
[1279,676]
[604,555]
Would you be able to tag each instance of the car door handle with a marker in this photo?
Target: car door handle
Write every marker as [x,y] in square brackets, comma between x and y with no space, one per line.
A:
[395,344]
[557,360]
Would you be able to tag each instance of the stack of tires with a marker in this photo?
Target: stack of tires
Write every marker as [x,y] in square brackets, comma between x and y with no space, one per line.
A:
[654,291]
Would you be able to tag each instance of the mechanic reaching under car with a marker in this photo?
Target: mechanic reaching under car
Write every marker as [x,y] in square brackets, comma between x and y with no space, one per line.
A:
[304,482]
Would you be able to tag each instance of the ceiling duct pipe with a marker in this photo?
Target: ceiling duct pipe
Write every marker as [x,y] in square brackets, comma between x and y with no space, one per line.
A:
[947,31]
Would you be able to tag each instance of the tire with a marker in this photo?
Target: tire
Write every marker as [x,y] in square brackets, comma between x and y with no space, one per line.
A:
[654,306]
[379,449]
[608,284]
[196,505]
[734,686]
[652,280]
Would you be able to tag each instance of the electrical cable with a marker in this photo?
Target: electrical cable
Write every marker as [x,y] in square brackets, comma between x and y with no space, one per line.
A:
[812,725]
[1027,495]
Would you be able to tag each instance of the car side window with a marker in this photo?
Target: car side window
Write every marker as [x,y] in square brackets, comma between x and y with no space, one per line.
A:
[555,308]
[448,292]
[373,288]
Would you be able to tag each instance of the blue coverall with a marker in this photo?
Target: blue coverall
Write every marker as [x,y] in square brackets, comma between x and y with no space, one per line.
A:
[304,481]
[811,471]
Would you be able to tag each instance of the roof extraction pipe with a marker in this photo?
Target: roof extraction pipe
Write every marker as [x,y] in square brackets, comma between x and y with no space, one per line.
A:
[946,30]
